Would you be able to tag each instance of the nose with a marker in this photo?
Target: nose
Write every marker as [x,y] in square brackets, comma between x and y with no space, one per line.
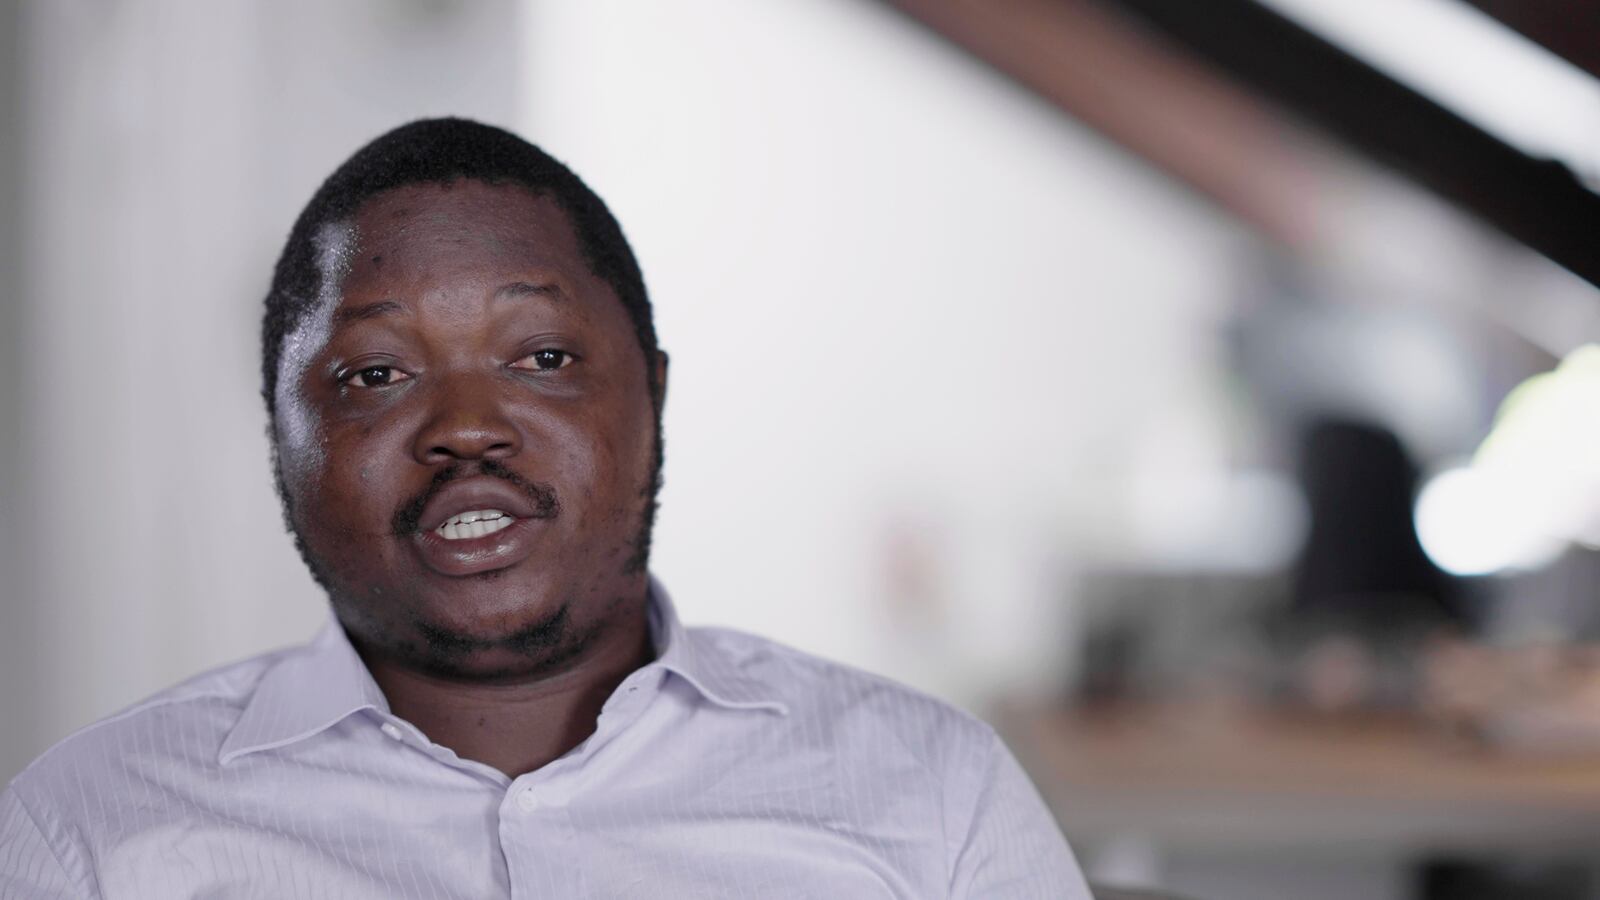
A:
[466,421]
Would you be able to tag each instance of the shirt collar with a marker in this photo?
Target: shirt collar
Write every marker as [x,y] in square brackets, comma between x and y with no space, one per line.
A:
[309,690]
[314,687]
[700,663]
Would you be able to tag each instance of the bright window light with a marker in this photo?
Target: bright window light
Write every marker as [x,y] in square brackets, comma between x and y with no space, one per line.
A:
[1532,488]
[1480,69]
[1471,523]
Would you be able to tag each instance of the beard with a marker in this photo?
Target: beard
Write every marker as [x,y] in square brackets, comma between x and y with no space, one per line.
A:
[543,646]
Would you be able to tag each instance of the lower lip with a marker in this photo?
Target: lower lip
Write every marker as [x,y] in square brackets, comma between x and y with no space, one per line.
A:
[474,556]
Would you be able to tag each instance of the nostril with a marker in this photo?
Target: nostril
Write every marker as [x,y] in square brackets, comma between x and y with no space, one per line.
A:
[464,432]
[467,448]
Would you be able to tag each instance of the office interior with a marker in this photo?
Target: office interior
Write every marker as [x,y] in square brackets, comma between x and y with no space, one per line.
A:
[1203,394]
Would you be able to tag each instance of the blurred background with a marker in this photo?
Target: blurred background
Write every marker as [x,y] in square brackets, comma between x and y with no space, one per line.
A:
[1203,393]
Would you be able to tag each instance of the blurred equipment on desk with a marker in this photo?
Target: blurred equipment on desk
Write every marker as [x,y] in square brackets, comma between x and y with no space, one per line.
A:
[1363,620]
[1363,697]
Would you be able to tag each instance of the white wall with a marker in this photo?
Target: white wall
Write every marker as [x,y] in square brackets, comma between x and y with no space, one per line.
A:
[909,307]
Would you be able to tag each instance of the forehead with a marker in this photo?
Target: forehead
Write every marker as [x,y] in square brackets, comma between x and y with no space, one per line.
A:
[466,228]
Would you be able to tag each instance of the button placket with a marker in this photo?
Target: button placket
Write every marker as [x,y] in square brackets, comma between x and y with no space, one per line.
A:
[526,800]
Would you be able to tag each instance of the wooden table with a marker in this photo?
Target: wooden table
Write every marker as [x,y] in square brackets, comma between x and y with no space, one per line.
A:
[1262,780]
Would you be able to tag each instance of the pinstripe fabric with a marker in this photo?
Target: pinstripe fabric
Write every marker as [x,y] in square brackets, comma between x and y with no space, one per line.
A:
[730,767]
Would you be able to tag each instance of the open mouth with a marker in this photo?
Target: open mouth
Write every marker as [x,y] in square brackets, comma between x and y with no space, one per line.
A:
[478,541]
[478,524]
[475,523]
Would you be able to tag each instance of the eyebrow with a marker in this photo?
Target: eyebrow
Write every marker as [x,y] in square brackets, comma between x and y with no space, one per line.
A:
[525,289]
[391,307]
[367,311]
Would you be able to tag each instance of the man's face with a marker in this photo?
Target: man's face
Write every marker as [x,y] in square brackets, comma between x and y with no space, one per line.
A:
[466,433]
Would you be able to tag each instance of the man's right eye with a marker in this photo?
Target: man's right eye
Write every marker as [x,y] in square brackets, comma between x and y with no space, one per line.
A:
[375,376]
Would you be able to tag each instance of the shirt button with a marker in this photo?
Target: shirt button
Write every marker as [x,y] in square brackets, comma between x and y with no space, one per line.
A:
[526,801]
[391,729]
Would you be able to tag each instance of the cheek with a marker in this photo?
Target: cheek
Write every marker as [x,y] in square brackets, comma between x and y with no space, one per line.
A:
[363,473]
[338,479]
[603,468]
[628,460]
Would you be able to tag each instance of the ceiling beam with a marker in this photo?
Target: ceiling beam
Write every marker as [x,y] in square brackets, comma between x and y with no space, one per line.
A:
[1199,89]
[1174,113]
[1538,202]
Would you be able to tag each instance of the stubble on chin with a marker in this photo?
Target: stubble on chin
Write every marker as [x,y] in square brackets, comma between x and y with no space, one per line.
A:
[534,649]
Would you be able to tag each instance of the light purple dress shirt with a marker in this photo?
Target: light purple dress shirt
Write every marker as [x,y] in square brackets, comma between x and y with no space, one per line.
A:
[731,766]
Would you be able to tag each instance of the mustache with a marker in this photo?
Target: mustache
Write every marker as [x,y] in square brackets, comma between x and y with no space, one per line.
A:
[407,519]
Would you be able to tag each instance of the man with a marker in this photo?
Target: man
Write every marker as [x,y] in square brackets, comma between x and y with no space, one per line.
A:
[465,396]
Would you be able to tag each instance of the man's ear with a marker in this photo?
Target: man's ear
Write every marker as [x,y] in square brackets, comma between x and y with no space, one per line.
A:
[661,380]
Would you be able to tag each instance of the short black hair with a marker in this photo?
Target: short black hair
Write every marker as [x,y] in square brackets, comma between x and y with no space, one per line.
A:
[441,151]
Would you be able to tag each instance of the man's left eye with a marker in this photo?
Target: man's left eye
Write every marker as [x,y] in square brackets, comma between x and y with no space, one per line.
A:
[544,359]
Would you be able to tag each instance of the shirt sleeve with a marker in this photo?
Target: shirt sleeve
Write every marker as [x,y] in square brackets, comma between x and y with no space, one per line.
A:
[1013,848]
[29,866]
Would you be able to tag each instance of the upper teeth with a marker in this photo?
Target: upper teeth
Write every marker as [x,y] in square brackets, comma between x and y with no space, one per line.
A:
[474,523]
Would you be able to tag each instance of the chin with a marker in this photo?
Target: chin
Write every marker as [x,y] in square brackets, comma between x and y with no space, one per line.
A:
[491,611]
[495,646]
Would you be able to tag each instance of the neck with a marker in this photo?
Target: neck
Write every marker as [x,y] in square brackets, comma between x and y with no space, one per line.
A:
[518,726]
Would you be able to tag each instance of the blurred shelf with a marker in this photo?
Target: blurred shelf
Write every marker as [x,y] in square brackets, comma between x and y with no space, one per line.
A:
[1263,780]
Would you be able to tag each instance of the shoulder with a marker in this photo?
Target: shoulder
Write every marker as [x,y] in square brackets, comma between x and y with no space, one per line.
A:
[849,702]
[185,723]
